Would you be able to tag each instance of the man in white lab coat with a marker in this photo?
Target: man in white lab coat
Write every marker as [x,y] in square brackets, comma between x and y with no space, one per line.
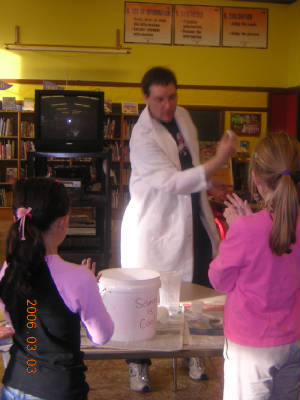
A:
[168,223]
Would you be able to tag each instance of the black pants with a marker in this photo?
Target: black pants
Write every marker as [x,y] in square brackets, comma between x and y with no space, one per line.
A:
[202,245]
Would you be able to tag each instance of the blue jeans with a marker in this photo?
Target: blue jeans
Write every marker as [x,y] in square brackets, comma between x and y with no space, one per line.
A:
[9,393]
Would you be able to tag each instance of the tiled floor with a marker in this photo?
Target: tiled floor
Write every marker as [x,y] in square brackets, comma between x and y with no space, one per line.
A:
[108,379]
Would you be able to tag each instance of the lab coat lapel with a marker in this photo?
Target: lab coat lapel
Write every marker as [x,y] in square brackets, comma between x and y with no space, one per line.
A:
[162,137]
[189,139]
[166,142]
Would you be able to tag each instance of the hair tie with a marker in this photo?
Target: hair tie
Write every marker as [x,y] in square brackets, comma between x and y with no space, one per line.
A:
[22,213]
[286,172]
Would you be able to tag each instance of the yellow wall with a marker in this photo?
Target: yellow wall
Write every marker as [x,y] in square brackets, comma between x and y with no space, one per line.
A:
[94,22]
[294,45]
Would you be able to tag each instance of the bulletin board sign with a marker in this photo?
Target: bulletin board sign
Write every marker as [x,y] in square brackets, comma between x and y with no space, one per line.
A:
[246,124]
[148,23]
[245,27]
[197,25]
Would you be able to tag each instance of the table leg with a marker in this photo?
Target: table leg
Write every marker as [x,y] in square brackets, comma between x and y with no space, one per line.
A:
[174,368]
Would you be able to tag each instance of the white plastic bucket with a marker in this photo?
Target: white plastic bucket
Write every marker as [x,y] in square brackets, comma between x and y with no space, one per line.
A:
[130,296]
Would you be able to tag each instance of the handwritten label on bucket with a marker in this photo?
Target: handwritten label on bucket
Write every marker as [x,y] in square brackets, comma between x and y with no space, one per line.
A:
[149,306]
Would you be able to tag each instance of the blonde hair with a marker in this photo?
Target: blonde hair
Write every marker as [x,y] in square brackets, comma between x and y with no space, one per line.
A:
[276,162]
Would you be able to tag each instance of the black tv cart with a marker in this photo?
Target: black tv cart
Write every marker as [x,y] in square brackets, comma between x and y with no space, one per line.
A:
[88,235]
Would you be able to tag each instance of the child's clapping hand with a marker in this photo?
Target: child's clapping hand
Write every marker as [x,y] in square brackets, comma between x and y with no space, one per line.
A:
[235,207]
[87,262]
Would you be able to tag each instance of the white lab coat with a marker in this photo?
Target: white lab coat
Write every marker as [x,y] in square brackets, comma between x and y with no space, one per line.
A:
[157,227]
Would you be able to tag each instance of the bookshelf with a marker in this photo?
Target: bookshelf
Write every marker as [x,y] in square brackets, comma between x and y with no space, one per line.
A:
[16,139]
[117,132]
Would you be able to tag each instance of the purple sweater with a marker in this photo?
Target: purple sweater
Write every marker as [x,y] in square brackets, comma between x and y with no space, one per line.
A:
[78,288]
[263,290]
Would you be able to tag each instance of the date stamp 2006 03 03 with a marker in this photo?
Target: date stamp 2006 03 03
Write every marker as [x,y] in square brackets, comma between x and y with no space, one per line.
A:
[32,345]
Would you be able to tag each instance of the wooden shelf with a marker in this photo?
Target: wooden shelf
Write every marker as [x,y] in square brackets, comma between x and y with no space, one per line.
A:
[16,127]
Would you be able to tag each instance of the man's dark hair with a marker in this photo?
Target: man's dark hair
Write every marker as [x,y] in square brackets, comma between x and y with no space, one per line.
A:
[157,76]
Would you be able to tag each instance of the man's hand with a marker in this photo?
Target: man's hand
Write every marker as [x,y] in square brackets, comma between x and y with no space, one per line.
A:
[226,147]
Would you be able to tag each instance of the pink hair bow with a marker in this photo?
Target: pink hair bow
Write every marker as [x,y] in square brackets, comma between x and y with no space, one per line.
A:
[22,213]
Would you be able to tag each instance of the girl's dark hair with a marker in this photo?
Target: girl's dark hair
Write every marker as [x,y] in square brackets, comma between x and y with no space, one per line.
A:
[48,200]
[276,162]
[157,76]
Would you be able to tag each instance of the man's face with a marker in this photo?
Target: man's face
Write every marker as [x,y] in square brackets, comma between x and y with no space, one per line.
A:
[162,101]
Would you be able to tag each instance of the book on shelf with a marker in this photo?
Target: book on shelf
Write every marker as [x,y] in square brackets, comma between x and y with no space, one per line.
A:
[11,174]
[115,151]
[115,198]
[107,106]
[125,153]
[129,124]
[125,176]
[109,128]
[130,108]
[28,104]
[26,146]
[27,129]
[8,149]
[6,127]
[6,197]
[9,104]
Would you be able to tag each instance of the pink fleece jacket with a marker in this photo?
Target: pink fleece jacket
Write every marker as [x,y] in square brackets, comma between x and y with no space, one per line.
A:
[263,290]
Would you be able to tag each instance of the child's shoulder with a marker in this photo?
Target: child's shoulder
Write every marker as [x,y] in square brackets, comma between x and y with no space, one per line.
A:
[259,220]
[68,270]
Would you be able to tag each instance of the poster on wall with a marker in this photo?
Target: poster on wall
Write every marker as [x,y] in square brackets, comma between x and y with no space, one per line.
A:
[148,23]
[246,124]
[197,25]
[245,27]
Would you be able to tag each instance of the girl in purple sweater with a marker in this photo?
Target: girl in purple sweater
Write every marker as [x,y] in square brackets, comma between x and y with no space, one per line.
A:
[258,266]
[46,298]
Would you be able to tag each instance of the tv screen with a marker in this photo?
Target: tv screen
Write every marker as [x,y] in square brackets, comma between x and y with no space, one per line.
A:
[69,121]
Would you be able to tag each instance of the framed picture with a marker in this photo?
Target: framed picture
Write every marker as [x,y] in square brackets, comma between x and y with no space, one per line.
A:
[197,25]
[147,23]
[130,108]
[246,124]
[245,27]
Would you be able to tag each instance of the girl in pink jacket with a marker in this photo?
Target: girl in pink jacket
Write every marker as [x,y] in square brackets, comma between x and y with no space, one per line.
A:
[258,266]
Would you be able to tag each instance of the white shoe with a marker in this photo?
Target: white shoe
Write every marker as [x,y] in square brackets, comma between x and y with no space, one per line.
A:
[138,377]
[196,369]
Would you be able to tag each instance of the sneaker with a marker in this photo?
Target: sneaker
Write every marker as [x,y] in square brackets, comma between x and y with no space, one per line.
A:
[138,377]
[197,369]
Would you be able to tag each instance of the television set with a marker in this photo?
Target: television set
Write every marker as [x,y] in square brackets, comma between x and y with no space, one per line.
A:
[69,121]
